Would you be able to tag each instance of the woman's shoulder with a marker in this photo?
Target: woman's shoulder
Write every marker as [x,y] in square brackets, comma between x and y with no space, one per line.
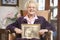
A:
[20,18]
[40,17]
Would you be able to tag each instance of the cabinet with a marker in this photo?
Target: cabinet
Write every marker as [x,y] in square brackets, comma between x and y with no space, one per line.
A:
[3,34]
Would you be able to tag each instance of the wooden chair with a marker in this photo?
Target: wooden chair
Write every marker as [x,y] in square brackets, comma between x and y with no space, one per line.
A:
[46,14]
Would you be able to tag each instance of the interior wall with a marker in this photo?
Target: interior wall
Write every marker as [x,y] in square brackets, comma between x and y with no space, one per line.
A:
[22,4]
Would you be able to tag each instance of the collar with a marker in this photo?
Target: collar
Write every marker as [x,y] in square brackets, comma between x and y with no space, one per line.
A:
[26,17]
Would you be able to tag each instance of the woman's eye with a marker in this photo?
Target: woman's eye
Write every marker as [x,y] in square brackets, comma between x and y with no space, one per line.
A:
[31,7]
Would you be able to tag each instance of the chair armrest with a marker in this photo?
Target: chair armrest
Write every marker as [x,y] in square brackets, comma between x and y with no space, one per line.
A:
[49,35]
[11,35]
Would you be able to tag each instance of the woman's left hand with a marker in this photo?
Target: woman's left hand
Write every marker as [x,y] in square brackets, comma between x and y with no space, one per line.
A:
[42,31]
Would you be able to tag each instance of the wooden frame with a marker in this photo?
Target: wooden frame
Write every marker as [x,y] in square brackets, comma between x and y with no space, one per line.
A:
[9,2]
[30,31]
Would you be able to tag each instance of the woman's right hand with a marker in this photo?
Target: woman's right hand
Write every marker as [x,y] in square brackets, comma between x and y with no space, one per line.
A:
[18,31]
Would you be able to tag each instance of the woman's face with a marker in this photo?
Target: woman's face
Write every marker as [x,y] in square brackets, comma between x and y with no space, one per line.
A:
[31,8]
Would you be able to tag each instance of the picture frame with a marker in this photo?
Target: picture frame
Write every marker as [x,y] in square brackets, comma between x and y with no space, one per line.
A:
[10,2]
[30,31]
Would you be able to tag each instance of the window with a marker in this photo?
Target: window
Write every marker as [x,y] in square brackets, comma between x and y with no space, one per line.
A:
[41,5]
[53,5]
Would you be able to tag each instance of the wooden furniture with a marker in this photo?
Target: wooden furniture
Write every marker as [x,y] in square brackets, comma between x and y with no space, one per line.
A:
[3,34]
[58,21]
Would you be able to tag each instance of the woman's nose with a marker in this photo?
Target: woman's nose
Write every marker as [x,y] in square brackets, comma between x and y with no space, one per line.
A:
[31,8]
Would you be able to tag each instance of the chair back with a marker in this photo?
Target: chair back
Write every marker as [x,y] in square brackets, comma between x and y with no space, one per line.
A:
[45,13]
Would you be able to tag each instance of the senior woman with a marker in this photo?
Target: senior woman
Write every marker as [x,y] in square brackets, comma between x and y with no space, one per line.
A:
[30,18]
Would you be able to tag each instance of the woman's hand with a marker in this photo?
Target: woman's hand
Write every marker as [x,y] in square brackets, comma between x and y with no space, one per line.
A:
[18,31]
[42,31]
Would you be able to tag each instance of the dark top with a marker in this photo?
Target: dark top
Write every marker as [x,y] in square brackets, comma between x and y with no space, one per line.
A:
[41,20]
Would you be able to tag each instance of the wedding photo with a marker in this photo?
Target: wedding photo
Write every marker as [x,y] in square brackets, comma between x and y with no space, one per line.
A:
[30,31]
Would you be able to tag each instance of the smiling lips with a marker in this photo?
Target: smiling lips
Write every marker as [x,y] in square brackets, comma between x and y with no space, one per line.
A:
[31,10]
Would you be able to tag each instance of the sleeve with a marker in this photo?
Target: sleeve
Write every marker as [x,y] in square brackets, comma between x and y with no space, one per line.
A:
[12,26]
[48,25]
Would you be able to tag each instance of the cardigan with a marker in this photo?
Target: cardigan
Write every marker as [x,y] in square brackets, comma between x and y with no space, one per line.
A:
[41,20]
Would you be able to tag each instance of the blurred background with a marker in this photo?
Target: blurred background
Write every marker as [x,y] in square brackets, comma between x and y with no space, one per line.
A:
[9,9]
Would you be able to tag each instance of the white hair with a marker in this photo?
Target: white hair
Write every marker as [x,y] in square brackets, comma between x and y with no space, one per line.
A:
[31,1]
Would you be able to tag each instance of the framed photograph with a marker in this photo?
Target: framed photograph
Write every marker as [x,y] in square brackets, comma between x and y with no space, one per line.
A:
[9,2]
[30,31]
